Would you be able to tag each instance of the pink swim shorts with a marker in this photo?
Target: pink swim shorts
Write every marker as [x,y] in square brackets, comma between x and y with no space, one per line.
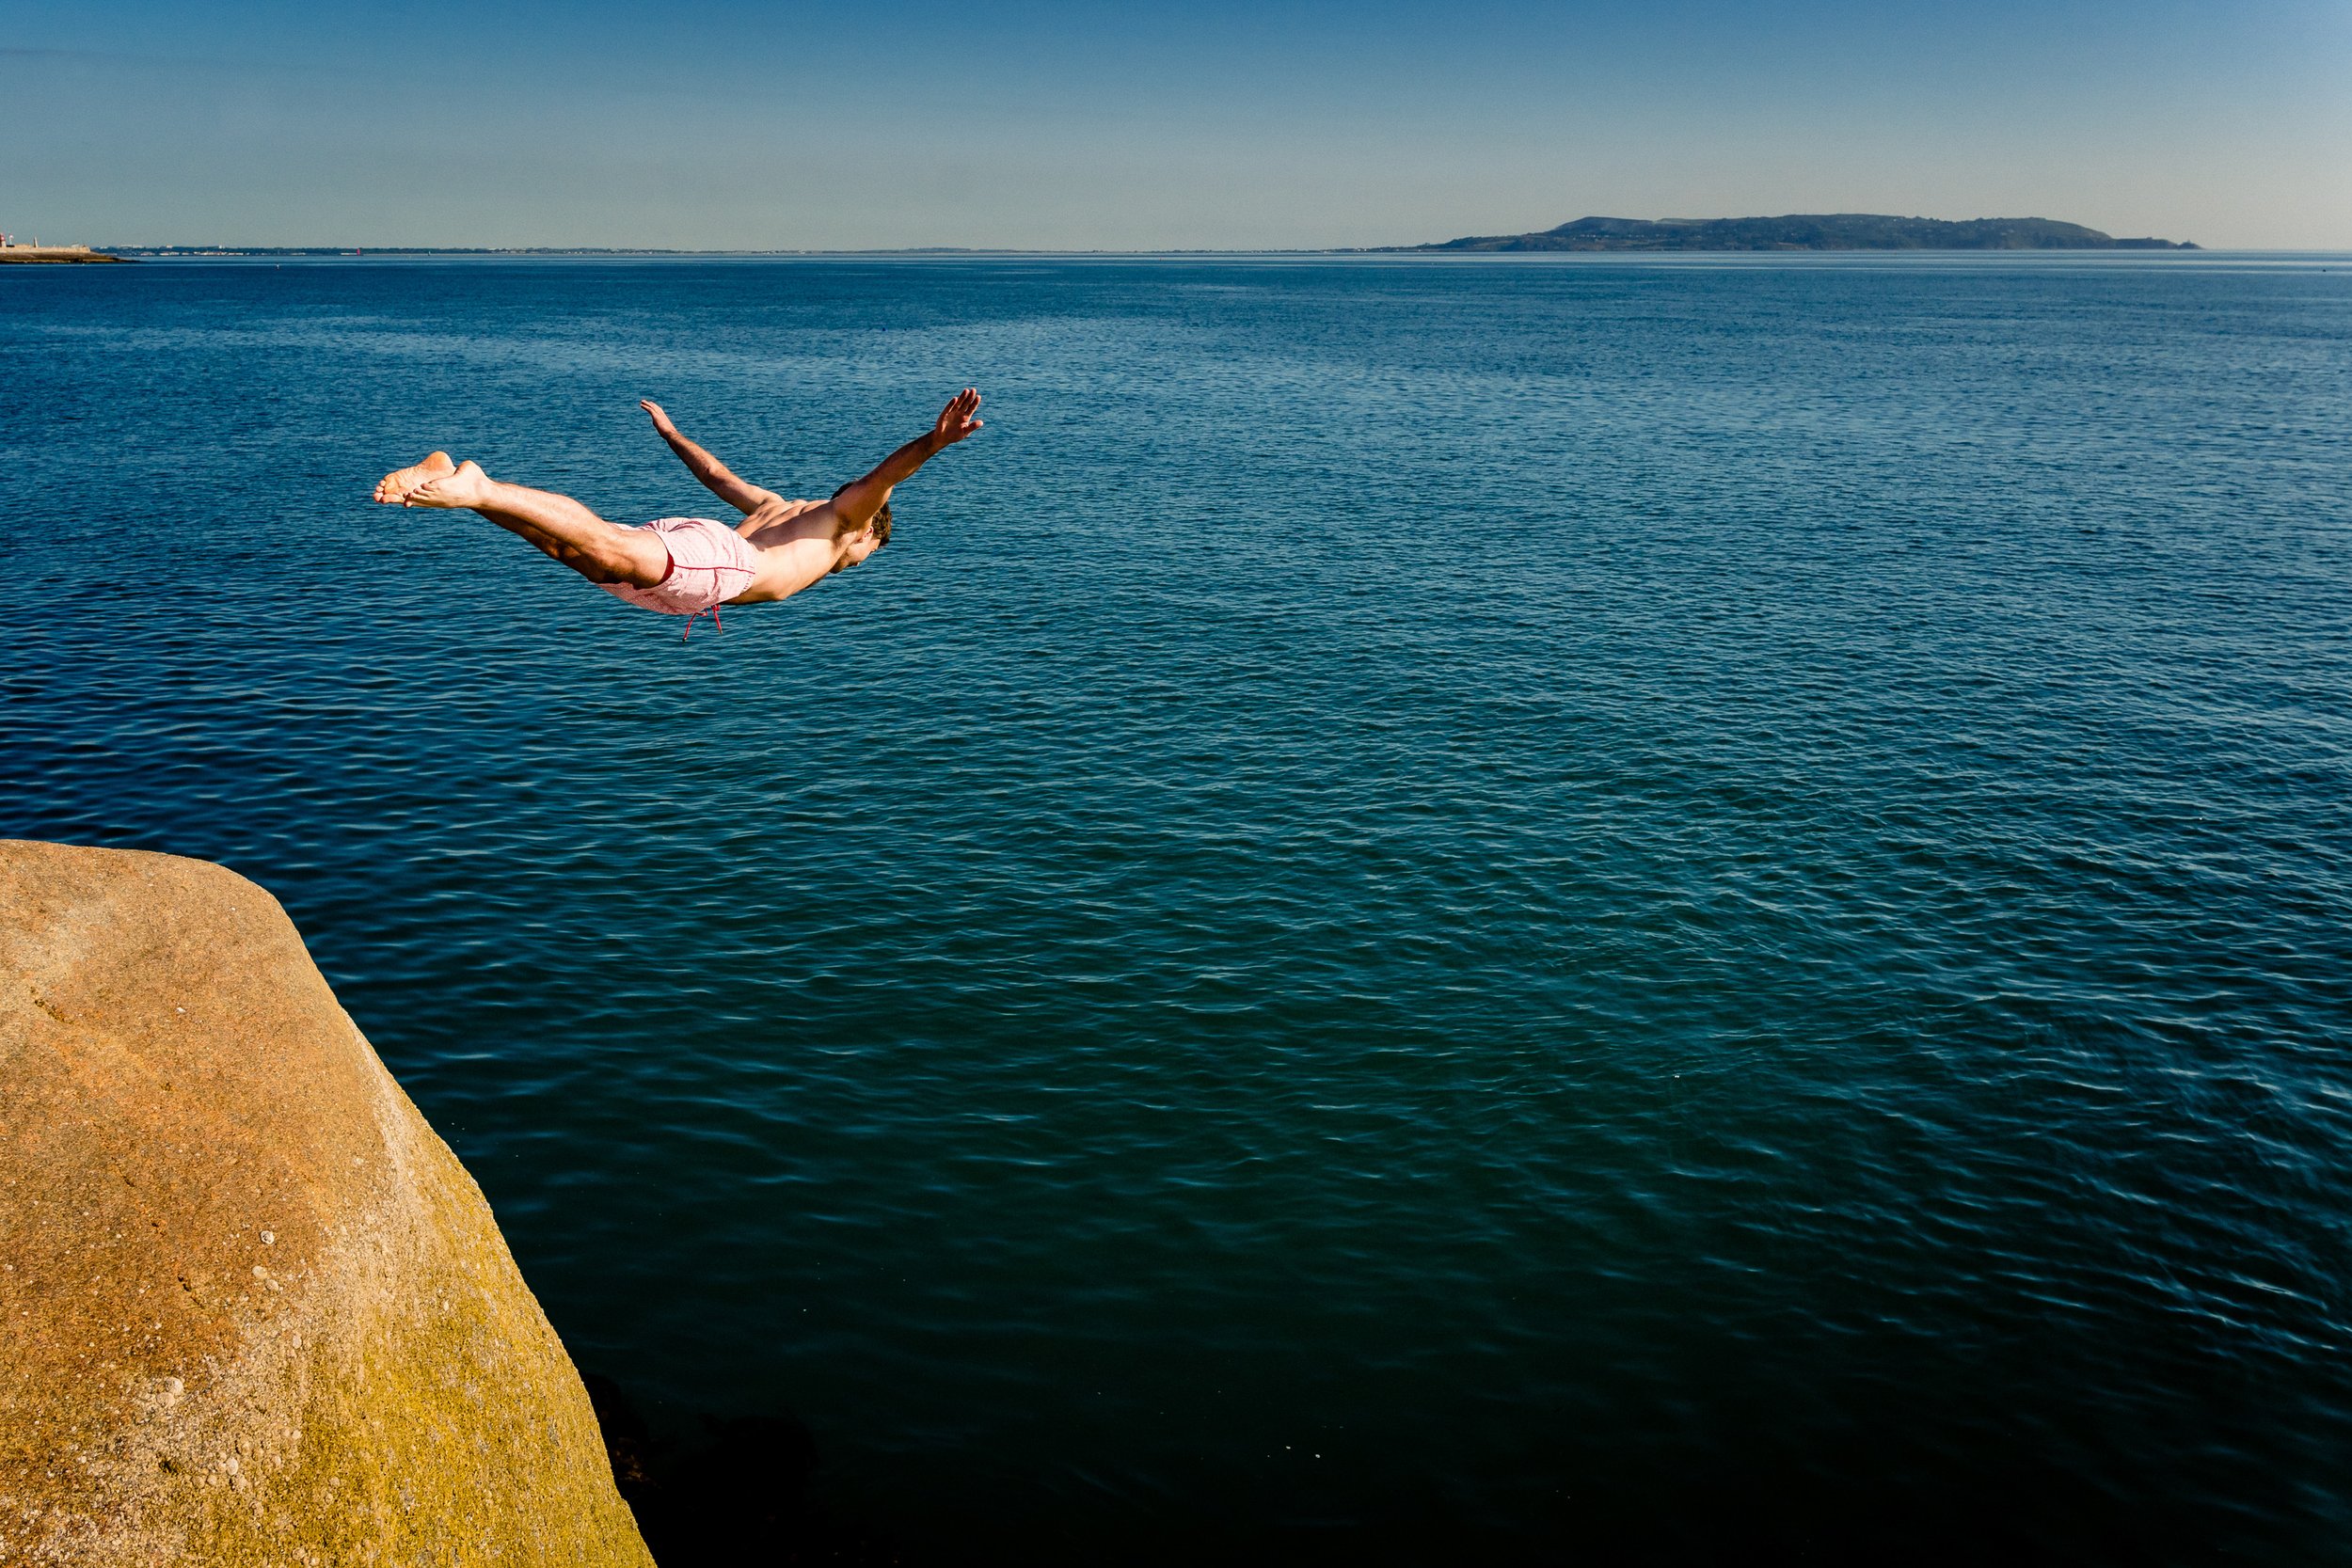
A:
[709,564]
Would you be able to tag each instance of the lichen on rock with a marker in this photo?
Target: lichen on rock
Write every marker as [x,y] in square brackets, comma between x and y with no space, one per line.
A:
[252,1309]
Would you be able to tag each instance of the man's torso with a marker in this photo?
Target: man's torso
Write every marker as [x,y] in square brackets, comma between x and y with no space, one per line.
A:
[797,546]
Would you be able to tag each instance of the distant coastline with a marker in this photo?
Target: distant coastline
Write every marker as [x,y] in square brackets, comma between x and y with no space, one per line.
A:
[51,255]
[1793,233]
[1804,231]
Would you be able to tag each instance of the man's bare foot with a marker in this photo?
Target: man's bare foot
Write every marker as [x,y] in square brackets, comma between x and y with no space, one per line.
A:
[464,485]
[395,487]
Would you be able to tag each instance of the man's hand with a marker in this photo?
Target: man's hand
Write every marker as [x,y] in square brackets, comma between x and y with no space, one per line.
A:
[855,503]
[958,419]
[715,476]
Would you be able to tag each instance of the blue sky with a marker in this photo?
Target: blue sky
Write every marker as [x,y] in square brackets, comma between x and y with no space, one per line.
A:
[720,123]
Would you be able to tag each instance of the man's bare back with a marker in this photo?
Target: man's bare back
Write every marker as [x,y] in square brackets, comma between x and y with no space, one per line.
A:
[688,566]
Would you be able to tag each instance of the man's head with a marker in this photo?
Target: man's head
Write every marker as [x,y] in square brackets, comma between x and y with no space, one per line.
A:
[866,541]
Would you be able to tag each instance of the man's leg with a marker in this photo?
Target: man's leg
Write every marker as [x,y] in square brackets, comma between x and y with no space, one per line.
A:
[560,526]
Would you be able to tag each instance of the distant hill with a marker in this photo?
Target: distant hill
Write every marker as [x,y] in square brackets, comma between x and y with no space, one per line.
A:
[1807,232]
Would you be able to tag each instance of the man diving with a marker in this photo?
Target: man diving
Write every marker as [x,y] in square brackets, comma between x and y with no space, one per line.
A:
[691,565]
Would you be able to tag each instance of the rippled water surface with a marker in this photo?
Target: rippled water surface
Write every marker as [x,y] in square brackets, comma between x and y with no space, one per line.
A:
[1425,909]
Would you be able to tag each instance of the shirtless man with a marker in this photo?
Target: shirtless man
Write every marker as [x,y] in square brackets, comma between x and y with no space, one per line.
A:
[690,565]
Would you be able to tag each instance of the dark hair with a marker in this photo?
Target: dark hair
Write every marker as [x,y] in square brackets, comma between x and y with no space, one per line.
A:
[880,525]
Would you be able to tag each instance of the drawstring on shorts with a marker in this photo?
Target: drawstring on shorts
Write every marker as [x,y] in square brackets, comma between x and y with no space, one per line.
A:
[691,546]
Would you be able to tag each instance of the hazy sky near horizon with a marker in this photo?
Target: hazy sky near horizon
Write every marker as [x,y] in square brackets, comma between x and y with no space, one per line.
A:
[723,123]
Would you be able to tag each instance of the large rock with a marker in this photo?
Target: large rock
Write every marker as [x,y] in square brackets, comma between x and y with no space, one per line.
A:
[252,1310]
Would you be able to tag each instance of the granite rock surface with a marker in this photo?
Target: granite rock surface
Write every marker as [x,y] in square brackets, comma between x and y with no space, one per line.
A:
[253,1310]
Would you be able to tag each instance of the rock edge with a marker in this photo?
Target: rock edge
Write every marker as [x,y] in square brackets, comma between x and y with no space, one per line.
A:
[255,1311]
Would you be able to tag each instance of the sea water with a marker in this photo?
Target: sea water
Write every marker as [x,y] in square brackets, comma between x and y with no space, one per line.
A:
[1437,908]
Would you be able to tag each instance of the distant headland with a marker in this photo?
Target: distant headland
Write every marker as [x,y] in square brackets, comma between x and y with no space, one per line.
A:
[1794,232]
[1805,231]
[11,251]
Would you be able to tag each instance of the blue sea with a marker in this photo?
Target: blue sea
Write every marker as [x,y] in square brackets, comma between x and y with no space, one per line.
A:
[1430,910]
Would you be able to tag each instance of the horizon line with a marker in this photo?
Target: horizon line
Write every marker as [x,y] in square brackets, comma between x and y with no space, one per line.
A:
[224,249]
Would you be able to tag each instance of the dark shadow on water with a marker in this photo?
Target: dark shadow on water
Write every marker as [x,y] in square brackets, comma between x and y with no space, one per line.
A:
[710,1490]
[728,1489]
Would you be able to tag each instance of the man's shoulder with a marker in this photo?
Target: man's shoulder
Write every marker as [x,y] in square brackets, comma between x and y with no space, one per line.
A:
[781,521]
[777,509]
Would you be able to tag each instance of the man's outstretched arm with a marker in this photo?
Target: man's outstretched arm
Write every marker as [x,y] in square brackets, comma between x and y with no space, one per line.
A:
[861,498]
[716,476]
